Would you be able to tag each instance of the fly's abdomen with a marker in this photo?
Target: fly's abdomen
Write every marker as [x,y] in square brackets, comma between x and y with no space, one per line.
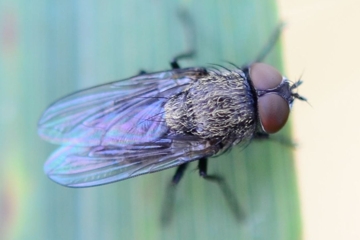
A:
[220,104]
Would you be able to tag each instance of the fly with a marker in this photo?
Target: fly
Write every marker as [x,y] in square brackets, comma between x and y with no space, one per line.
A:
[154,121]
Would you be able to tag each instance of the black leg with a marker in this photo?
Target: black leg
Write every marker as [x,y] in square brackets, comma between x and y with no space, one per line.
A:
[190,35]
[274,37]
[174,63]
[202,166]
[261,136]
[179,173]
[225,189]
[169,200]
[275,138]
[167,206]
[142,72]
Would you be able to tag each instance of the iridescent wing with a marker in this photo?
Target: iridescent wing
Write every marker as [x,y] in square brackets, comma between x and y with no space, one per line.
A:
[121,113]
[117,131]
[92,166]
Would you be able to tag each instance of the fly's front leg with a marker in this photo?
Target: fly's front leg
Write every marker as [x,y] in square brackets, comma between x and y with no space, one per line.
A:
[277,138]
[261,136]
[273,39]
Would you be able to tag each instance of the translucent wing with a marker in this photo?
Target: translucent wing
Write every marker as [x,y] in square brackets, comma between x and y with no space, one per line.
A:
[91,166]
[121,113]
[117,131]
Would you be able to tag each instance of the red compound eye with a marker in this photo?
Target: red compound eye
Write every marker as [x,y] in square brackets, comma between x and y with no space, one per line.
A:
[264,76]
[273,109]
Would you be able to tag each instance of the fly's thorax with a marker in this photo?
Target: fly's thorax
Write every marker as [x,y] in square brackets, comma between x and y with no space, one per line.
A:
[218,105]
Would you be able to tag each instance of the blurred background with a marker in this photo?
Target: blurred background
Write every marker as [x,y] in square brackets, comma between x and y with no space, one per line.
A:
[51,48]
[321,43]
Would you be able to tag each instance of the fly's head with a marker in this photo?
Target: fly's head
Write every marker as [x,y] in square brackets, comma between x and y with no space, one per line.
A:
[275,96]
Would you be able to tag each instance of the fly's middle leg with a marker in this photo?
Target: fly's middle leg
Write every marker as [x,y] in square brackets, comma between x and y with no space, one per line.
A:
[224,187]
[202,166]
[174,63]
[190,36]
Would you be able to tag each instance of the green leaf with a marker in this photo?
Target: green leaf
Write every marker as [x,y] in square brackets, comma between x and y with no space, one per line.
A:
[64,46]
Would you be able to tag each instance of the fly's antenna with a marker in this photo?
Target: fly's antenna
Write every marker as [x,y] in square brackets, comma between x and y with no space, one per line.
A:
[295,94]
[296,85]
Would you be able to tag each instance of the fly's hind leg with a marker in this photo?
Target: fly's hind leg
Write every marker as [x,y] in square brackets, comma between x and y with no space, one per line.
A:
[169,201]
[179,173]
[225,189]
